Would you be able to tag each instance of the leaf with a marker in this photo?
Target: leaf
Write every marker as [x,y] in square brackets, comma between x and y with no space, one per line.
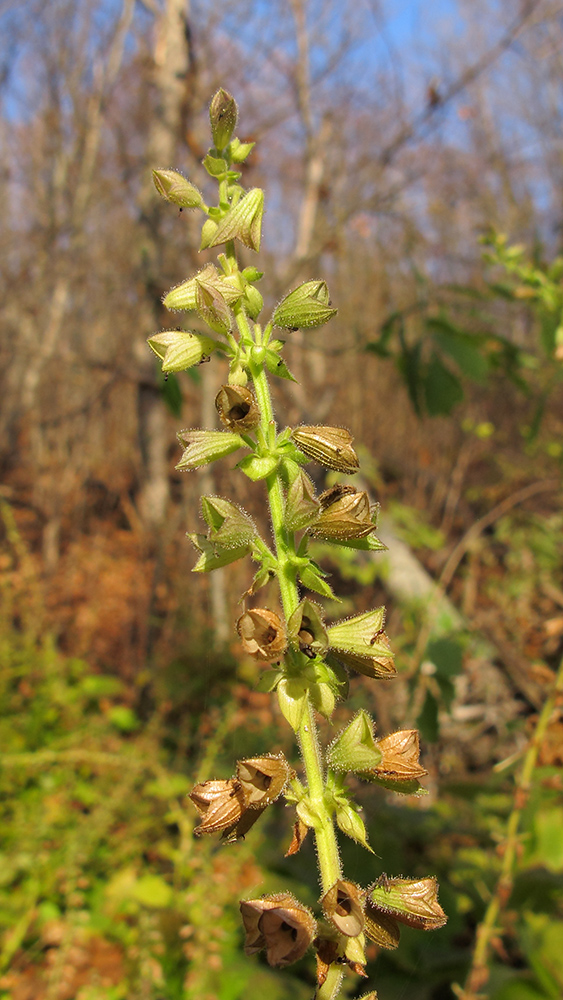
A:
[427,721]
[461,348]
[276,366]
[442,389]
[409,365]
[311,577]
[446,655]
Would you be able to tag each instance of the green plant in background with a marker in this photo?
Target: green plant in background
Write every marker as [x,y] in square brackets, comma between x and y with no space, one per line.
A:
[306,661]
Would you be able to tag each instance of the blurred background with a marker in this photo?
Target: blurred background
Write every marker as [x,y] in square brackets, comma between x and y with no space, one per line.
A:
[412,155]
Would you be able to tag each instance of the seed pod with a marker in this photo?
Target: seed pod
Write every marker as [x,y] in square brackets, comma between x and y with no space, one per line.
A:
[345,513]
[184,295]
[343,906]
[306,628]
[229,525]
[219,803]
[180,349]
[237,408]
[358,635]
[202,447]
[400,752]
[380,667]
[355,749]
[331,446]
[262,779]
[381,928]
[301,506]
[175,188]
[307,306]
[262,634]
[242,222]
[411,901]
[281,925]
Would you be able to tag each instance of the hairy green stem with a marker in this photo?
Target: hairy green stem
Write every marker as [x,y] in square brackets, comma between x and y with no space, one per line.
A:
[325,835]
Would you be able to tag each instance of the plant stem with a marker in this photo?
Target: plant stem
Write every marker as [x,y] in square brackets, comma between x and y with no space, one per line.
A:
[327,846]
[479,972]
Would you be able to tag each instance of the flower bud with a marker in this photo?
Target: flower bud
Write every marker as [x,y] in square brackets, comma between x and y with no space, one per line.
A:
[179,349]
[331,446]
[262,634]
[253,301]
[381,928]
[355,748]
[305,307]
[351,823]
[342,905]
[242,222]
[219,803]
[345,513]
[281,925]
[237,408]
[175,188]
[262,779]
[202,447]
[399,756]
[306,628]
[223,116]
[301,505]
[412,901]
[229,525]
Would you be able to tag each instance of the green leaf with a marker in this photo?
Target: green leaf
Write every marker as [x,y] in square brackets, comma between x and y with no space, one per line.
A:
[442,389]
[276,366]
[311,577]
[427,721]
[461,348]
[409,365]
[446,655]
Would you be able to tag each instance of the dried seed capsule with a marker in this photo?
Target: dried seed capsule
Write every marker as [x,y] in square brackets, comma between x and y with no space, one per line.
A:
[262,779]
[262,634]
[219,803]
[381,928]
[301,506]
[343,906]
[400,752]
[345,513]
[331,446]
[411,901]
[280,924]
[237,408]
